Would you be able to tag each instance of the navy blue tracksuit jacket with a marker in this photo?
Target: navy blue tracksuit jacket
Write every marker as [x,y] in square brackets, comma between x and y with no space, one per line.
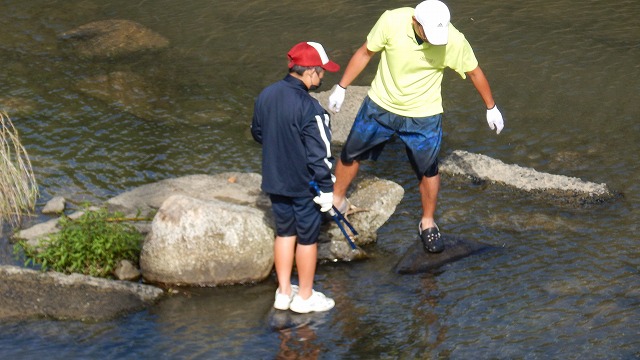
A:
[295,134]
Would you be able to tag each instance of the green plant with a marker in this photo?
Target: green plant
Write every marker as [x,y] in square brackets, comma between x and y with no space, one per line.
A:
[92,244]
[18,188]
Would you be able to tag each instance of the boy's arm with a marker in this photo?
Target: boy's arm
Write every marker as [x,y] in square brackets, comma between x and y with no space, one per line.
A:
[317,136]
[256,130]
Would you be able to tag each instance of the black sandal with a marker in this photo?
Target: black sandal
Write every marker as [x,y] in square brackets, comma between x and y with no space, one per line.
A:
[431,239]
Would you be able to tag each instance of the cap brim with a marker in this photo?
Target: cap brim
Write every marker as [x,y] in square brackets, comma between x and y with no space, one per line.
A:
[437,36]
[331,66]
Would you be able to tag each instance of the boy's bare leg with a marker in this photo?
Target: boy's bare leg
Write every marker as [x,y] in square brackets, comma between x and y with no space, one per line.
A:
[306,259]
[283,254]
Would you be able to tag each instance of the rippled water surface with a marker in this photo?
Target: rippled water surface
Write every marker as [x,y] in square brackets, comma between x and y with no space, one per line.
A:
[563,283]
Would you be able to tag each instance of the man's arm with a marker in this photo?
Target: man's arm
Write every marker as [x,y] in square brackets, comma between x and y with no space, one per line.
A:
[358,62]
[482,85]
[494,117]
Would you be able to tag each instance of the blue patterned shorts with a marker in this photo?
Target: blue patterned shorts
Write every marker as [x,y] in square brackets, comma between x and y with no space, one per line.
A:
[375,126]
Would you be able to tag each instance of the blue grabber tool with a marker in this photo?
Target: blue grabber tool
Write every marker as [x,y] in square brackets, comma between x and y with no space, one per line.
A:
[338,218]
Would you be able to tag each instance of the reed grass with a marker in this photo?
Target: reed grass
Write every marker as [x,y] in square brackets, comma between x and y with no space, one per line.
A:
[18,187]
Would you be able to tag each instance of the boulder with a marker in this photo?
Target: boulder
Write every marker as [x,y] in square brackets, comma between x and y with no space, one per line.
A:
[198,242]
[26,293]
[113,38]
[376,200]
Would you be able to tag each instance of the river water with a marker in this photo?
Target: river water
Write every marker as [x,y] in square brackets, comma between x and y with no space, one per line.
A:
[563,283]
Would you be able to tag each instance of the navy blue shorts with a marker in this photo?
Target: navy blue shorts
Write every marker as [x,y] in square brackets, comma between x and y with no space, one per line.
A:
[297,216]
[374,126]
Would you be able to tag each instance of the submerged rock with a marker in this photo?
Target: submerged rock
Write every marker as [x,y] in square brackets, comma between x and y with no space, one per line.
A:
[128,92]
[113,38]
[280,320]
[416,260]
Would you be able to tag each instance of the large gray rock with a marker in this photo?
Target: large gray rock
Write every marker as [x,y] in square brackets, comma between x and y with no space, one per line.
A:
[233,187]
[207,243]
[113,38]
[26,293]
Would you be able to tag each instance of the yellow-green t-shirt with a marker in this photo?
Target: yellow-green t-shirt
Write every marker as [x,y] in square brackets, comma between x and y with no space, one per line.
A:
[409,76]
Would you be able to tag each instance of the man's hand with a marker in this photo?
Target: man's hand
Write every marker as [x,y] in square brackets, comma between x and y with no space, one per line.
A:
[494,119]
[337,98]
[325,200]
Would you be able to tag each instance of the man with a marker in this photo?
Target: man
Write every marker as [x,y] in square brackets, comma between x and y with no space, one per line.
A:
[294,131]
[416,45]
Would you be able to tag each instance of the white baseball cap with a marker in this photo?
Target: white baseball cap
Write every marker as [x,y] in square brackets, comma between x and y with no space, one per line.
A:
[434,17]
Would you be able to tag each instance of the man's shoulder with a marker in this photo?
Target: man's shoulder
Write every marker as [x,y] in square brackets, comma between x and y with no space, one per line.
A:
[455,36]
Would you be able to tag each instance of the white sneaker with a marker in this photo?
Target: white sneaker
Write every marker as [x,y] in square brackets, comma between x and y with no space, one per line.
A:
[283,300]
[316,302]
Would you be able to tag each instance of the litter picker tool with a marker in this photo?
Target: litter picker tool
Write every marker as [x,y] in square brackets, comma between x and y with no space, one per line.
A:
[338,218]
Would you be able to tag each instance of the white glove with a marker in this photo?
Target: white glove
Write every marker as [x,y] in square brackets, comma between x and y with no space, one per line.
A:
[325,200]
[494,118]
[337,98]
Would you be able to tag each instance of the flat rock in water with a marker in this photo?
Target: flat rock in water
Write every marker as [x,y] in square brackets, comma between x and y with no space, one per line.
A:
[557,188]
[27,293]
[416,260]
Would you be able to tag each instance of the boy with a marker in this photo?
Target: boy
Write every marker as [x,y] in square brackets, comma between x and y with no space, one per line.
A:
[293,129]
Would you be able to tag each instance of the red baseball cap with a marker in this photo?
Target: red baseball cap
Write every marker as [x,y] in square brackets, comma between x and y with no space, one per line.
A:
[311,54]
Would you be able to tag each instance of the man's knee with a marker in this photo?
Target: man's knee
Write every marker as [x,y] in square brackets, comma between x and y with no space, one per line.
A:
[433,170]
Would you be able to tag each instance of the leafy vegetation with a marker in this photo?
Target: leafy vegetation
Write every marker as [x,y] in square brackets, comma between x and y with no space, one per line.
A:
[92,244]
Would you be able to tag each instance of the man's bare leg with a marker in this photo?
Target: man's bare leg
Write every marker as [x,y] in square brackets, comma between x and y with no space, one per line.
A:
[429,187]
[345,173]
